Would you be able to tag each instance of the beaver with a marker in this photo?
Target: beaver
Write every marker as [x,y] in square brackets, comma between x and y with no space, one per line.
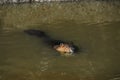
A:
[61,46]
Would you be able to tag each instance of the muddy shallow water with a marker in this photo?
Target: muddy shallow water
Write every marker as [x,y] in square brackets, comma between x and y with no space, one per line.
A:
[94,26]
[24,57]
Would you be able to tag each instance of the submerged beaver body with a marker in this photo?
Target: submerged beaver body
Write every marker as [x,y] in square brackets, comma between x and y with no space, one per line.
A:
[59,45]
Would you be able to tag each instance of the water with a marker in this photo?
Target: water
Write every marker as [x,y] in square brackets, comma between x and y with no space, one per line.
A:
[28,58]
[24,57]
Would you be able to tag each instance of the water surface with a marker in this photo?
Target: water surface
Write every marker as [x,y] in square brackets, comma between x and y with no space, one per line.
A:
[94,26]
[26,57]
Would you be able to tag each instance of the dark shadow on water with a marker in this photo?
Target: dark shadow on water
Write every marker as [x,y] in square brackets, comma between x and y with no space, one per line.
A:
[53,42]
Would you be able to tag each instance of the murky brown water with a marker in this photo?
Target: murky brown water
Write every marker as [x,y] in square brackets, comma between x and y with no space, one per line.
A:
[26,57]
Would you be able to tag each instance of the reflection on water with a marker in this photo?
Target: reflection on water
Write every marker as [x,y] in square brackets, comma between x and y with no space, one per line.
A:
[26,57]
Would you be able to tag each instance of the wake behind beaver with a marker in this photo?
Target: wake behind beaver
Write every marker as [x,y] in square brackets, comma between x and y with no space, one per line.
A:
[62,47]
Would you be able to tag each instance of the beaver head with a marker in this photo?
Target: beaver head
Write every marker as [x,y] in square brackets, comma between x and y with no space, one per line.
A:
[64,48]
